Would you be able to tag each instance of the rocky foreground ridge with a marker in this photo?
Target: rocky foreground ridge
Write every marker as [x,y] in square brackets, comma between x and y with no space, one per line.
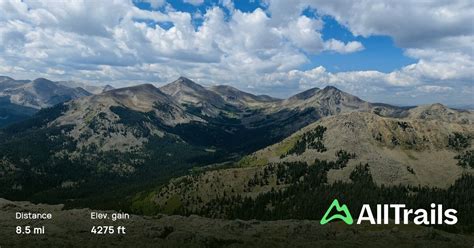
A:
[71,228]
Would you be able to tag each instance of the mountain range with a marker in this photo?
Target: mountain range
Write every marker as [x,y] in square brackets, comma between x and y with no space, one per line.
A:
[22,98]
[183,147]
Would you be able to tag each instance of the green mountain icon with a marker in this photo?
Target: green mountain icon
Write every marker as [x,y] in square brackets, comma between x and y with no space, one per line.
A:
[346,217]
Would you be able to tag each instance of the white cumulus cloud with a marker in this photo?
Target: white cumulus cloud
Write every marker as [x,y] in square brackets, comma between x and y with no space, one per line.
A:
[264,50]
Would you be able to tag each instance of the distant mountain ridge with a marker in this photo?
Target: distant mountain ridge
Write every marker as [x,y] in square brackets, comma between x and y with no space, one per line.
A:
[235,96]
[22,98]
[88,87]
[41,93]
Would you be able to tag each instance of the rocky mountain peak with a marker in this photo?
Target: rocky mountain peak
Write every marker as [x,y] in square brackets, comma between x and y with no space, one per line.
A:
[107,87]
[42,81]
[186,82]
[307,94]
[330,91]
[440,112]
[139,97]
[328,97]
[185,91]
[431,109]
[438,106]
[331,88]
[337,95]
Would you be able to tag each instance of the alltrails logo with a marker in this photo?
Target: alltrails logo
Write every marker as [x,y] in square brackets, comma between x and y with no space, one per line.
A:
[435,216]
[347,217]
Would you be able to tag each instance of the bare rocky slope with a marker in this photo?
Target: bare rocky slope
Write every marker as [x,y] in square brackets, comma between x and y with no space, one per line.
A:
[95,122]
[408,151]
[424,148]
[71,228]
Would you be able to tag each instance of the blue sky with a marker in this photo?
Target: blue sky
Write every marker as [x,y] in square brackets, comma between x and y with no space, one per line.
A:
[380,52]
[399,52]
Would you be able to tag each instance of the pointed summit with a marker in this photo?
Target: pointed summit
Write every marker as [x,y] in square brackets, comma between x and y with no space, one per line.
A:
[185,91]
[183,85]
[330,87]
[332,91]
[337,96]
[107,87]
[346,216]
[183,82]
[327,101]
[317,93]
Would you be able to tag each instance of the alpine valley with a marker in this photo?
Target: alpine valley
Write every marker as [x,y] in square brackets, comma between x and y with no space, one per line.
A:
[222,153]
